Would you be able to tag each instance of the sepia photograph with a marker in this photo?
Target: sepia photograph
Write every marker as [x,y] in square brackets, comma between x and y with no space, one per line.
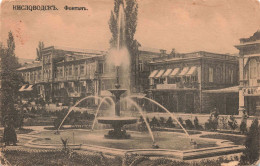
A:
[129,83]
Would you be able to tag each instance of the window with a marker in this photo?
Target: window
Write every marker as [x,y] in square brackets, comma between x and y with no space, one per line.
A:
[218,75]
[231,75]
[211,74]
[253,69]
[100,68]
[66,70]
[76,70]
[39,75]
[82,68]
[61,72]
[258,70]
[141,66]
[70,70]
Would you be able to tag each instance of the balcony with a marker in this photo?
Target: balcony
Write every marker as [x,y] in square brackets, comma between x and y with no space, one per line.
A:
[166,86]
[193,85]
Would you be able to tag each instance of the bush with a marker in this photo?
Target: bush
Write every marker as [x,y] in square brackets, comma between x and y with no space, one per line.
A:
[196,124]
[154,122]
[251,153]
[169,123]
[181,122]
[223,122]
[162,121]
[232,122]
[243,127]
[212,123]
[189,124]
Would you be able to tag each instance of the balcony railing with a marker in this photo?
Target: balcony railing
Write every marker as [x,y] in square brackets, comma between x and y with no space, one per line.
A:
[191,85]
[166,86]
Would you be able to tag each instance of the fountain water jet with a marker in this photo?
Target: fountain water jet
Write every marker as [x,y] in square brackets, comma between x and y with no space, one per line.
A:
[142,114]
[103,100]
[85,98]
[171,114]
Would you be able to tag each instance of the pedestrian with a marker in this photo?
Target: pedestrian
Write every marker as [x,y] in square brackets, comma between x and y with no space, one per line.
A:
[9,134]
[243,125]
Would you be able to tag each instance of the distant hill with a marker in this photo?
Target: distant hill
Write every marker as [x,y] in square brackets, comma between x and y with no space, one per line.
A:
[22,61]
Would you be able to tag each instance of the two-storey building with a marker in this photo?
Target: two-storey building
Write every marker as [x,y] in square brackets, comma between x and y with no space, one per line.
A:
[63,75]
[66,74]
[249,65]
[195,82]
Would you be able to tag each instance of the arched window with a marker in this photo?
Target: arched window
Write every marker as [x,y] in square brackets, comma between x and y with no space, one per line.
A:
[253,69]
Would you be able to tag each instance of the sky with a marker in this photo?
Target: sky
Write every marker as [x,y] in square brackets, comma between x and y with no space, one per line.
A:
[185,25]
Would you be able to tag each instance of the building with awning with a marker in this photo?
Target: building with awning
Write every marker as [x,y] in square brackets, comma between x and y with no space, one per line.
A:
[153,73]
[29,88]
[249,68]
[23,88]
[174,72]
[184,71]
[192,71]
[191,82]
[160,73]
[167,73]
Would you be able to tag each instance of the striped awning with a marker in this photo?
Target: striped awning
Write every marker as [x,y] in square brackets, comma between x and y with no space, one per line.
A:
[22,88]
[167,73]
[153,74]
[30,88]
[175,72]
[184,71]
[192,70]
[160,73]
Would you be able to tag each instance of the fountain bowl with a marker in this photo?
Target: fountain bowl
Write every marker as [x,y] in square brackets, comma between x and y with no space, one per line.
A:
[117,123]
[117,120]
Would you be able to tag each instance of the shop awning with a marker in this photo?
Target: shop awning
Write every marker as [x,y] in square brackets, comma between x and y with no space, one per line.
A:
[22,88]
[160,73]
[153,74]
[184,71]
[175,72]
[30,88]
[192,70]
[167,73]
[233,89]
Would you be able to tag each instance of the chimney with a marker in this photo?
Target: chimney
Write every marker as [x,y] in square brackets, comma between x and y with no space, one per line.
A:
[163,52]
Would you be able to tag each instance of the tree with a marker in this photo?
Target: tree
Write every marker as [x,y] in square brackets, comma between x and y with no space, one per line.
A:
[11,80]
[232,122]
[251,153]
[39,51]
[131,12]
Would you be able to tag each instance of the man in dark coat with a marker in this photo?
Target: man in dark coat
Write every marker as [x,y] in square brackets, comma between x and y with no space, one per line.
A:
[10,134]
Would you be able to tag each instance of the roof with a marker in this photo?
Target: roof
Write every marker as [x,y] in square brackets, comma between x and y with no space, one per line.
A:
[88,51]
[194,55]
[233,89]
[30,66]
[254,37]
[148,49]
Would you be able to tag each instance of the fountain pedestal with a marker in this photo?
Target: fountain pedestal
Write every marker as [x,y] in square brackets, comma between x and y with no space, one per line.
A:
[117,122]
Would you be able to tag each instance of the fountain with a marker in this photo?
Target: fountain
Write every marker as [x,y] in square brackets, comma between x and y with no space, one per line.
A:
[170,143]
[117,121]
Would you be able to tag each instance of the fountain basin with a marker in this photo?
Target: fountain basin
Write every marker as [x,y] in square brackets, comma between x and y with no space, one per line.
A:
[117,123]
[117,120]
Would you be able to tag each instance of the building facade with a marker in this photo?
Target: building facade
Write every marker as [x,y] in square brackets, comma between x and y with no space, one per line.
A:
[65,75]
[188,82]
[249,65]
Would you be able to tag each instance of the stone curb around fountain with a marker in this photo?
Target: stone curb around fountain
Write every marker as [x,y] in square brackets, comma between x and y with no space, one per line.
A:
[225,147]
